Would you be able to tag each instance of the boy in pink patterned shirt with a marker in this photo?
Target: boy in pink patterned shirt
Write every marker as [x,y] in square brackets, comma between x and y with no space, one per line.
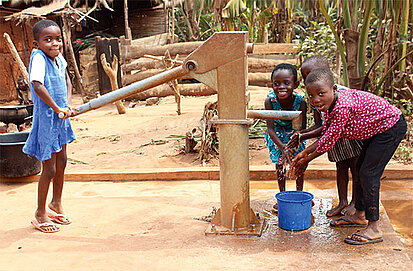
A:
[355,114]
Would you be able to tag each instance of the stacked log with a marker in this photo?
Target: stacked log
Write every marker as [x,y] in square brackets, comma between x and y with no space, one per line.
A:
[260,65]
[135,66]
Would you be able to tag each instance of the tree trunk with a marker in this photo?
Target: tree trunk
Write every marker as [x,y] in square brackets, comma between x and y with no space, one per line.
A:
[351,39]
[194,33]
[16,57]
[71,57]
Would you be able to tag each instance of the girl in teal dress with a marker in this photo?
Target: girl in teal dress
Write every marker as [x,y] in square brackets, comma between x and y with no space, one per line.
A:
[284,81]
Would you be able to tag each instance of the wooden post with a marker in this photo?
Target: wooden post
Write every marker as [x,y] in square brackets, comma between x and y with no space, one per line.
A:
[128,32]
[16,57]
[169,63]
[173,22]
[71,56]
[112,73]
[26,54]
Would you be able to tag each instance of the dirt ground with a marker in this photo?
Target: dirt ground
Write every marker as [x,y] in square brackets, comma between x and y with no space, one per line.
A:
[150,225]
[150,137]
[146,136]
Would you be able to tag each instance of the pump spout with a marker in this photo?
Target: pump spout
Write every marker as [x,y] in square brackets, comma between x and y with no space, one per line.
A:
[295,116]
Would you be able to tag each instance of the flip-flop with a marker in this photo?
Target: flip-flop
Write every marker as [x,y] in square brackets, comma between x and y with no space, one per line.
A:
[358,242]
[275,208]
[59,218]
[42,226]
[349,223]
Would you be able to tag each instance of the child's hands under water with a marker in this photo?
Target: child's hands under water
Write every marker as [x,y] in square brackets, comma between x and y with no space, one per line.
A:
[294,141]
[287,154]
[300,163]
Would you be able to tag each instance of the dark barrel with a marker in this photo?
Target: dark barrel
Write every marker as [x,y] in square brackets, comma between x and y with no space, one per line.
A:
[13,162]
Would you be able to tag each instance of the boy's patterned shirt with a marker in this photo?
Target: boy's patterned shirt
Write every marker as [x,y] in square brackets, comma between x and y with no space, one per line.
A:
[357,115]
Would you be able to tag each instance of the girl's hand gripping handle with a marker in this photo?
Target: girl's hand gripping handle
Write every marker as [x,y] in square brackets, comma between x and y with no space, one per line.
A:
[67,112]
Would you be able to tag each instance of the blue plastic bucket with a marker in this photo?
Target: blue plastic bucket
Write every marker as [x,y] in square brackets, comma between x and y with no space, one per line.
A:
[294,210]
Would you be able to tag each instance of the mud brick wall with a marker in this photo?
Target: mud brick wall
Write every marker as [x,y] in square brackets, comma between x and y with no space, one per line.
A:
[89,71]
[21,37]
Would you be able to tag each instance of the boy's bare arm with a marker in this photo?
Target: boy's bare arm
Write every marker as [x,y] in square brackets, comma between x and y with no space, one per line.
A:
[303,109]
[316,129]
[296,138]
[313,131]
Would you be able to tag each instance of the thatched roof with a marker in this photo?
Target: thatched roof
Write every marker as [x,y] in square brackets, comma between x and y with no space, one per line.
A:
[39,12]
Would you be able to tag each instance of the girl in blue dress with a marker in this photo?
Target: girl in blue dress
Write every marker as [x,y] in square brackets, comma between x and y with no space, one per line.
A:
[51,92]
[284,81]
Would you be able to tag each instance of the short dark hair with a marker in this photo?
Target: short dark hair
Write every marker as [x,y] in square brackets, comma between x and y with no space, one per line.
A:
[40,25]
[324,75]
[318,61]
[285,66]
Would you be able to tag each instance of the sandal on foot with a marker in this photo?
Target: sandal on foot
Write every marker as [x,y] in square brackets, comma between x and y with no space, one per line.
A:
[59,218]
[45,227]
[367,240]
[347,223]
[275,208]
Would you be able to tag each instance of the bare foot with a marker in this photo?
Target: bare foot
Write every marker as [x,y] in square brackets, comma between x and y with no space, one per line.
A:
[349,210]
[336,210]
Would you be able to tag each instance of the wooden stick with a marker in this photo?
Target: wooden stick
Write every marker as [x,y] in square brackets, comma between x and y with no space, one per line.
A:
[173,22]
[128,32]
[16,57]
[112,73]
[162,58]
[71,57]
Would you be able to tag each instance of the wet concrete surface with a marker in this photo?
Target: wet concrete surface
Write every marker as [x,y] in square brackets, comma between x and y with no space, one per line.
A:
[151,226]
[396,201]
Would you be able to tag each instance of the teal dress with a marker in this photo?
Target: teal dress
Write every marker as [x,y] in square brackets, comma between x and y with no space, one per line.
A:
[49,132]
[283,129]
